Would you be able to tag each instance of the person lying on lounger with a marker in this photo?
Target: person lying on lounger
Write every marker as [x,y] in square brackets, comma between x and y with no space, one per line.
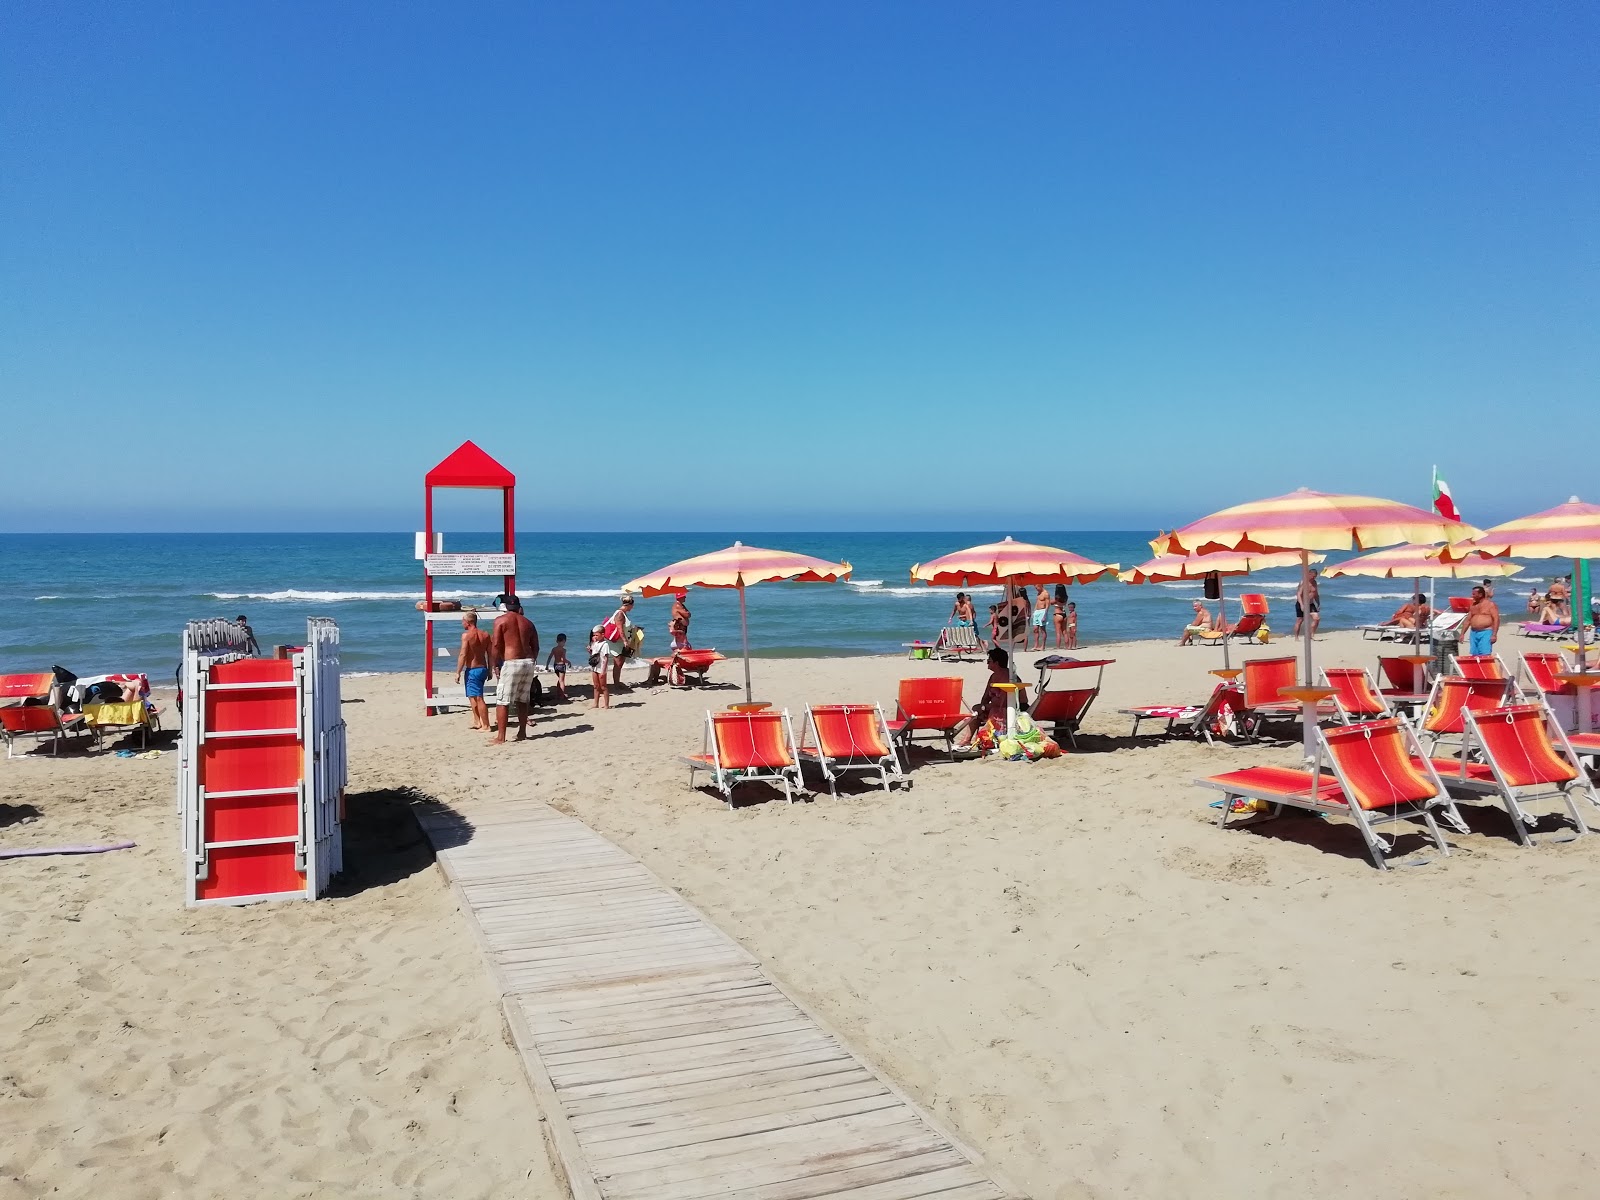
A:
[991,706]
[1413,613]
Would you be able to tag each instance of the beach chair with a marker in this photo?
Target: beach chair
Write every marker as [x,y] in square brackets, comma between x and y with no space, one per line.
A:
[1253,614]
[1378,777]
[929,705]
[1535,629]
[1524,750]
[1064,706]
[1400,678]
[41,722]
[1542,667]
[1441,625]
[956,642]
[683,668]
[748,747]
[1264,681]
[1451,697]
[1217,717]
[18,689]
[1354,697]
[850,737]
[1479,666]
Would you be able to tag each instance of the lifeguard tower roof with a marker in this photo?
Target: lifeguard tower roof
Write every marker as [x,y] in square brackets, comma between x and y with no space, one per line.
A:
[467,466]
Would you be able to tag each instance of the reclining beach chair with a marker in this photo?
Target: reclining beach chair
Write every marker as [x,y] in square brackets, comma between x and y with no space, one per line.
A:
[1480,666]
[1378,777]
[1217,717]
[850,737]
[748,747]
[1264,681]
[1524,750]
[1064,706]
[1253,614]
[956,642]
[930,705]
[683,668]
[1399,680]
[1541,668]
[1440,625]
[1452,695]
[1354,696]
[27,713]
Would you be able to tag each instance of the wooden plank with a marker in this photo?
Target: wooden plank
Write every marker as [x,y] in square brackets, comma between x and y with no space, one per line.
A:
[666,1063]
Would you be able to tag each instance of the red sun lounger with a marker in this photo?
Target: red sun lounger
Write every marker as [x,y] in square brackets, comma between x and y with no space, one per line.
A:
[1354,696]
[1217,717]
[1252,615]
[930,705]
[1264,681]
[849,737]
[1444,715]
[1378,777]
[1065,695]
[748,747]
[1542,670]
[682,666]
[1528,759]
[42,722]
[1480,666]
[1400,680]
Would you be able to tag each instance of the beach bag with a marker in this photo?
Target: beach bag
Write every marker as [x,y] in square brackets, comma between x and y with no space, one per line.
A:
[1263,635]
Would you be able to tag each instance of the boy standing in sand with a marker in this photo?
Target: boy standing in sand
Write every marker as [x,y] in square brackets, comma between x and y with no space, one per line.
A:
[514,654]
[473,661]
[559,662]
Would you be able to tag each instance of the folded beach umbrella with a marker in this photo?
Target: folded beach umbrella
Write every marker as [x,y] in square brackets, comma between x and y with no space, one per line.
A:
[737,567]
[1171,568]
[1570,530]
[1012,563]
[1417,563]
[1305,521]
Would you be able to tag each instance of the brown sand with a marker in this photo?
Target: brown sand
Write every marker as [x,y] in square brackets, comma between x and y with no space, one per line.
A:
[1102,991]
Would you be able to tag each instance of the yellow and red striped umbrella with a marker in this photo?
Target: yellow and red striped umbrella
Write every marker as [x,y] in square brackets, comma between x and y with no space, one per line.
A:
[1421,562]
[1019,564]
[738,567]
[1570,530]
[1307,520]
[1168,568]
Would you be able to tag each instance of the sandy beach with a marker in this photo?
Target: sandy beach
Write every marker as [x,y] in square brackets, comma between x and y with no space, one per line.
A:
[1065,960]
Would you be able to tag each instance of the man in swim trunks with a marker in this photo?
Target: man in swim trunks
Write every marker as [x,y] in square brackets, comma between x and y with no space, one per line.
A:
[1483,623]
[1308,602]
[473,661]
[514,654]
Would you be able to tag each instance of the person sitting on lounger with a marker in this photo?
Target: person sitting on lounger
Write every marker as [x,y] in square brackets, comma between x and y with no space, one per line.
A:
[1203,623]
[1412,614]
[991,706]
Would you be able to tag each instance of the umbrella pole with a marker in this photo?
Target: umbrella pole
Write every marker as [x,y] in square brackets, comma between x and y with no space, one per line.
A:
[744,633]
[1585,697]
[1308,711]
[1016,675]
[1222,619]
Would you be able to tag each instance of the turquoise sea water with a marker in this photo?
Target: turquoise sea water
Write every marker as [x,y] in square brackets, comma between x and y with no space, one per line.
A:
[114,602]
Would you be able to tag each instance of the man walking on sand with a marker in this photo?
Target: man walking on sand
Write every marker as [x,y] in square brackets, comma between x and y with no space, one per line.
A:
[1483,623]
[473,659]
[514,653]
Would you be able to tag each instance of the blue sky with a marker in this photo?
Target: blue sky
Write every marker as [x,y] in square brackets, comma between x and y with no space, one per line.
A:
[821,265]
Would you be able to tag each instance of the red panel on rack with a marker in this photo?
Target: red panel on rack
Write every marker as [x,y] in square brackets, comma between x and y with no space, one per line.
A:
[239,818]
[251,871]
[239,764]
[270,708]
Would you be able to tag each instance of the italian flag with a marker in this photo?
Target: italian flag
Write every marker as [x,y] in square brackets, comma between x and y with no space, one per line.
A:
[1443,502]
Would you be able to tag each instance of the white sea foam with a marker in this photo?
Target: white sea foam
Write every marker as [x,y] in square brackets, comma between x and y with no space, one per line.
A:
[1377,595]
[47,597]
[293,595]
[865,583]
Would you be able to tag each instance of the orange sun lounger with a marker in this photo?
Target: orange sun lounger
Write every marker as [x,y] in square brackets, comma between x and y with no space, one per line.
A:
[850,737]
[1355,697]
[1401,677]
[1526,758]
[1452,695]
[1217,717]
[1264,681]
[680,666]
[1253,614]
[1480,666]
[1064,706]
[748,747]
[1378,777]
[931,705]
[42,722]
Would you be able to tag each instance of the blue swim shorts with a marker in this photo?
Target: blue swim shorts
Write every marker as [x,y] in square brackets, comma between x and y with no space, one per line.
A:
[475,677]
[1480,641]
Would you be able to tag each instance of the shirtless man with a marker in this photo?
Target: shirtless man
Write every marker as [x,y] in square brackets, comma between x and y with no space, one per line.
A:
[514,654]
[473,658]
[1483,623]
[1308,603]
[1202,623]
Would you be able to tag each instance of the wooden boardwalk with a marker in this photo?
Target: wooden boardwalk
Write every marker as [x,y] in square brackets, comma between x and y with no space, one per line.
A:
[667,1064]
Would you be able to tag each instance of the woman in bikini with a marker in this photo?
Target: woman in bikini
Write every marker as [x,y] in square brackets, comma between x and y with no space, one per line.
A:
[1059,616]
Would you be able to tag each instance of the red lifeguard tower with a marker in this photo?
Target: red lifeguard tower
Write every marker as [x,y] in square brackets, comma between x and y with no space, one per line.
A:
[467,467]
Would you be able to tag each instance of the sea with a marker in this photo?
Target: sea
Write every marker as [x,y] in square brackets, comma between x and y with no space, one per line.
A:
[99,603]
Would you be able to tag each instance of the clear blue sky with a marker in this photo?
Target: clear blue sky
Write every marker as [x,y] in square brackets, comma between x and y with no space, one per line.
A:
[807,265]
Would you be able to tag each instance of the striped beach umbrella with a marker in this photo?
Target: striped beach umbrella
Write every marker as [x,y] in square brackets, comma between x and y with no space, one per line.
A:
[1570,530]
[1171,568]
[738,567]
[1305,521]
[1014,564]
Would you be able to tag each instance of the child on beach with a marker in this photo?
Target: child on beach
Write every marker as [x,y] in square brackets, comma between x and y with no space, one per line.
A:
[558,662]
[598,647]
[1072,625]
